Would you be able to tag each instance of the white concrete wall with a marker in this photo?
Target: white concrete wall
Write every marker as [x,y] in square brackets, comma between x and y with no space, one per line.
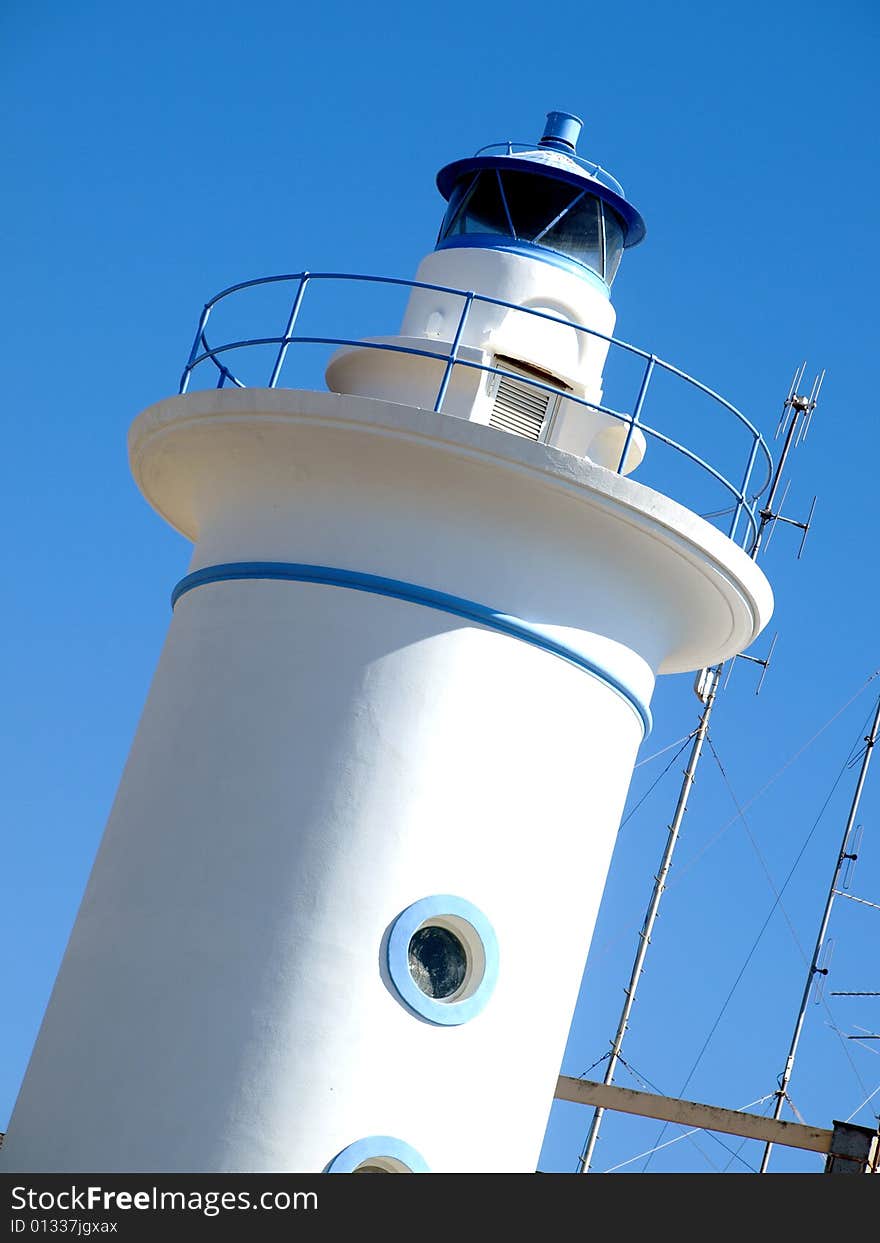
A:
[577,357]
[310,761]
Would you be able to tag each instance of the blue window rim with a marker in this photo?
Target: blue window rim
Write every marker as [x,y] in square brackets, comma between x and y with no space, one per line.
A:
[441,1013]
[374,1148]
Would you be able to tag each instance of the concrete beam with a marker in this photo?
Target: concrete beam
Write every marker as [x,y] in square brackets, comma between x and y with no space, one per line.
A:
[689,1113]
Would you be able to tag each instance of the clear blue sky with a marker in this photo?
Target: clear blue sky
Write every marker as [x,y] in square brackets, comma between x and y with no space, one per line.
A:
[155,154]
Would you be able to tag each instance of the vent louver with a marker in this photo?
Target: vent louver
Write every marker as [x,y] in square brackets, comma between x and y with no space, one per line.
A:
[520,409]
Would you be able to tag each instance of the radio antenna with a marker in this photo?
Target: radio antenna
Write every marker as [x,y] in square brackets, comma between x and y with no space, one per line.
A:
[815,969]
[794,422]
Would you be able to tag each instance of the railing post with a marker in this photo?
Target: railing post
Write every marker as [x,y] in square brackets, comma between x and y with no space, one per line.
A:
[285,342]
[637,410]
[453,353]
[187,371]
[741,499]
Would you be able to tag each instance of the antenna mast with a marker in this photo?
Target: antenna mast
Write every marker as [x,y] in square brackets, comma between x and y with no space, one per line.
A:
[814,968]
[706,688]
[794,423]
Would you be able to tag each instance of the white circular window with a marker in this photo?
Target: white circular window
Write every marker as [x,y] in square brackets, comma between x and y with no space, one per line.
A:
[381,1165]
[378,1154]
[443,959]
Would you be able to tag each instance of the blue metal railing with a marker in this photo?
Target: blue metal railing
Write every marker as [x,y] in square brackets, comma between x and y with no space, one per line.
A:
[744,494]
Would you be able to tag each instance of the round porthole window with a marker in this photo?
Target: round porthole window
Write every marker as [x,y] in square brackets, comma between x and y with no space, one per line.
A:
[443,959]
[438,962]
[378,1154]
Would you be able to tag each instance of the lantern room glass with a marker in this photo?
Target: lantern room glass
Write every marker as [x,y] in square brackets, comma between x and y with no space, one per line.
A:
[539,210]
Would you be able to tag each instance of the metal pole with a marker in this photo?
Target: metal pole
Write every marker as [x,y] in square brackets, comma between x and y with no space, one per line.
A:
[742,499]
[637,410]
[193,354]
[814,969]
[709,690]
[288,332]
[453,353]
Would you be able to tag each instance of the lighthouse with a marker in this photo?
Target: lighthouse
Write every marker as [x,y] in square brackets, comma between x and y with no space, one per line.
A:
[341,909]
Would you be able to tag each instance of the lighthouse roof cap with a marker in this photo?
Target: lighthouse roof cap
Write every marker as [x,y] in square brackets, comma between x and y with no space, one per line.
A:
[554,156]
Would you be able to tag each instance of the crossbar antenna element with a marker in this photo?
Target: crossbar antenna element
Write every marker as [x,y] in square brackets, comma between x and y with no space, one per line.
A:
[841,893]
[764,662]
[794,423]
[852,857]
[814,968]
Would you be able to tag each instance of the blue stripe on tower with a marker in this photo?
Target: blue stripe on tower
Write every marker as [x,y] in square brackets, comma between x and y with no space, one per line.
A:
[397,589]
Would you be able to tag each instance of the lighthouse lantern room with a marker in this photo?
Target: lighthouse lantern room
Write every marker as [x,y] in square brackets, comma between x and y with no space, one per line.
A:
[539,235]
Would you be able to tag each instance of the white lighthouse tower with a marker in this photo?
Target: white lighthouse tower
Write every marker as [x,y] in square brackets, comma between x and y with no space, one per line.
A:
[340,913]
